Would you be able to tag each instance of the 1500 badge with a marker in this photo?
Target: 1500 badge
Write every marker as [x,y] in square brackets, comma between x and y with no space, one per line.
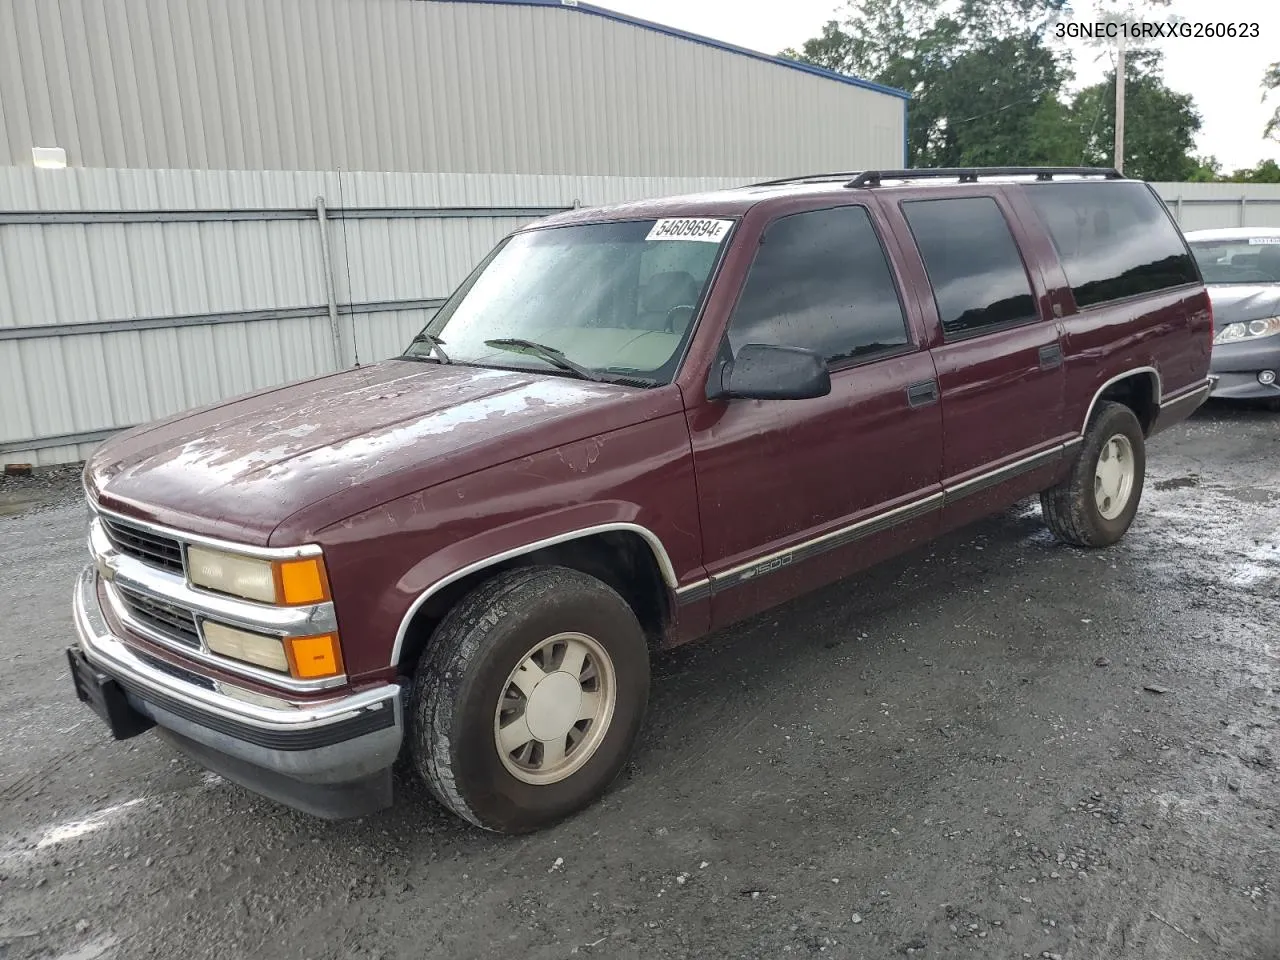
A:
[767,566]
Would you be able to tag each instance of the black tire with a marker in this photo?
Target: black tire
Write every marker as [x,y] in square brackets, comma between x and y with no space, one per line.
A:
[464,672]
[1071,509]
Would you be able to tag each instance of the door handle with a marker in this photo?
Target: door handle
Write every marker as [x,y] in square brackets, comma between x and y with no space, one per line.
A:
[922,394]
[1051,356]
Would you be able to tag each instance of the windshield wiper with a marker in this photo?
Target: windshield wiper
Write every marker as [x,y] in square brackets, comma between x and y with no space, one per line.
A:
[550,354]
[434,343]
[629,376]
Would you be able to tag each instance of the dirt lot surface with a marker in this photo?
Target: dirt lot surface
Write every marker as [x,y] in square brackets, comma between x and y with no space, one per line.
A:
[995,747]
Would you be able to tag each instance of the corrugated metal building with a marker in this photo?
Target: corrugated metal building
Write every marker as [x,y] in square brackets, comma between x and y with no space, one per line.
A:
[534,86]
[264,190]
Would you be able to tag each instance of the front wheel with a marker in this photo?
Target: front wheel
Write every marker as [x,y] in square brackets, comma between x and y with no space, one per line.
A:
[530,698]
[1096,504]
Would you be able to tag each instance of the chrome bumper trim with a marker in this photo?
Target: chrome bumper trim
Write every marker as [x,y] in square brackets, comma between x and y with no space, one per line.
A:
[114,657]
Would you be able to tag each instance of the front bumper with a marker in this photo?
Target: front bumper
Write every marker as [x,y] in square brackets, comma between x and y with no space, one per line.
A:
[1237,365]
[330,757]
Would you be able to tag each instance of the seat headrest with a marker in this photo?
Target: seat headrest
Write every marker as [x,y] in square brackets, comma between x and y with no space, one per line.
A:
[663,291]
[1269,260]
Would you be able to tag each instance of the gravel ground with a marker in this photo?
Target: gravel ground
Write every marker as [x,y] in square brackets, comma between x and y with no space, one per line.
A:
[996,747]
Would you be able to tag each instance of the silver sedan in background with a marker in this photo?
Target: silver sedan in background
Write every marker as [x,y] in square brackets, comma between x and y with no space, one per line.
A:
[1241,267]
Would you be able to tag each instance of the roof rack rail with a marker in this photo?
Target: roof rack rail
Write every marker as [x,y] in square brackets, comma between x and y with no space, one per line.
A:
[811,178]
[872,178]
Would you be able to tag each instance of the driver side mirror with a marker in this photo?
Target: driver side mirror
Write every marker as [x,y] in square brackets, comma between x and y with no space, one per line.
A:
[766,372]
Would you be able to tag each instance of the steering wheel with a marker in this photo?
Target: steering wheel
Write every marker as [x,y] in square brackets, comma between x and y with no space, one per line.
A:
[670,322]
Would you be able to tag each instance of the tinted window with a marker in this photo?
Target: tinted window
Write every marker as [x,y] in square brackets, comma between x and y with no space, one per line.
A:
[973,263]
[820,280]
[1115,240]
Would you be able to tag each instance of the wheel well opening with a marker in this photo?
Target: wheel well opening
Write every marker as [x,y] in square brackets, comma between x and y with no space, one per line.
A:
[621,559]
[1138,393]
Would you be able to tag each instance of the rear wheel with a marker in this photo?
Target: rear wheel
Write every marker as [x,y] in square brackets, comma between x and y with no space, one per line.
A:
[529,699]
[1096,504]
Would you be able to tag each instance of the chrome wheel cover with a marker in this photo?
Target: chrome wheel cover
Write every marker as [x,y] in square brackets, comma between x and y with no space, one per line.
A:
[1114,476]
[555,708]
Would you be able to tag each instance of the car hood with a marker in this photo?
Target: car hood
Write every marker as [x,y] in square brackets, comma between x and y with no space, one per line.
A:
[239,469]
[1241,302]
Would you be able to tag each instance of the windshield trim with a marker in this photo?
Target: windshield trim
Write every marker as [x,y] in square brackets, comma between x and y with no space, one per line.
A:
[677,360]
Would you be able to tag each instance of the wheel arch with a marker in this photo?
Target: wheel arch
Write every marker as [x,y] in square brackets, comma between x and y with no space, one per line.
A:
[1139,388]
[627,556]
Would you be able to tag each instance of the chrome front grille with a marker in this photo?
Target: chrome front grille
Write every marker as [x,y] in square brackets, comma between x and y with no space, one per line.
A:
[142,544]
[167,619]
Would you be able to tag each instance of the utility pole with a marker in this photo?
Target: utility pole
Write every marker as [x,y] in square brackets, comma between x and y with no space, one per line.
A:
[1119,163]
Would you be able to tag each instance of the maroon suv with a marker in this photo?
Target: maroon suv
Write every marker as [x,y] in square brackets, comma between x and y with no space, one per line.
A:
[630,426]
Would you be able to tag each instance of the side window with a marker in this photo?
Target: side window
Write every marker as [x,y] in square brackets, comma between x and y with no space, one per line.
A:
[973,263]
[820,280]
[1114,239]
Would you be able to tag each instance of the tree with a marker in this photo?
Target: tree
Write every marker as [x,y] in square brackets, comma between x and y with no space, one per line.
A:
[1267,171]
[1124,14]
[986,88]
[984,85]
[1207,170]
[1160,124]
[1271,81]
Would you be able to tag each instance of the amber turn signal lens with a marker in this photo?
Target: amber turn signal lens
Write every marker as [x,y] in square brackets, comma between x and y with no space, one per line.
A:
[303,581]
[312,658]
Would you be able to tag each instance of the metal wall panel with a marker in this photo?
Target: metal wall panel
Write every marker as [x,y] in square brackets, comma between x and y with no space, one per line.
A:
[92,383]
[132,276]
[56,276]
[414,85]
[1203,206]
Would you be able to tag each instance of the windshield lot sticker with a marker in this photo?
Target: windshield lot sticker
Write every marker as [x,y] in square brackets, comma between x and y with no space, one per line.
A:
[690,228]
[1253,241]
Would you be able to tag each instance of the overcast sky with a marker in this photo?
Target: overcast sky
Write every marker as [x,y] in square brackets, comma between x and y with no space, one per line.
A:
[1224,76]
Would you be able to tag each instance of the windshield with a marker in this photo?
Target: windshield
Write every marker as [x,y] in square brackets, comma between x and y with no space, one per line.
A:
[605,300]
[1240,260]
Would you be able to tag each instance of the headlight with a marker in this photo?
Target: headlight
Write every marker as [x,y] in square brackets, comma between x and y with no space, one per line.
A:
[247,647]
[305,658]
[281,582]
[1248,330]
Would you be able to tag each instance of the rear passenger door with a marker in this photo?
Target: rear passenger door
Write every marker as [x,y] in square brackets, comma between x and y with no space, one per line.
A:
[796,493]
[997,348]
[1131,300]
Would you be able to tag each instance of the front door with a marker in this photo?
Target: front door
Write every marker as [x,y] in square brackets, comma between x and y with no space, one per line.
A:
[795,493]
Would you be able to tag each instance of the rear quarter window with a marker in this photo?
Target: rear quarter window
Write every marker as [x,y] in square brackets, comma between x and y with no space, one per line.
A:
[1115,240]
